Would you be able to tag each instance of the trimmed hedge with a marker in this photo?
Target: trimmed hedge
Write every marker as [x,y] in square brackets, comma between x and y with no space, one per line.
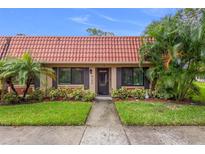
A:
[124,93]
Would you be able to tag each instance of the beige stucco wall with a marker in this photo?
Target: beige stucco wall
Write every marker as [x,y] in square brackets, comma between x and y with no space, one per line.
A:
[92,79]
[45,82]
[113,78]
[73,86]
[134,87]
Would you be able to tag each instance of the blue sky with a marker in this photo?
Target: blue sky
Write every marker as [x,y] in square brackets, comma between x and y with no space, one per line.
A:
[74,22]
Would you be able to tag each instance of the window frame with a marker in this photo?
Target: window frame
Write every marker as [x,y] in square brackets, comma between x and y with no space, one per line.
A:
[132,70]
[71,75]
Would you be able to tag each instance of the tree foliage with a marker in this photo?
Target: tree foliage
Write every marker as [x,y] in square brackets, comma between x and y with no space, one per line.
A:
[98,32]
[177,54]
[25,69]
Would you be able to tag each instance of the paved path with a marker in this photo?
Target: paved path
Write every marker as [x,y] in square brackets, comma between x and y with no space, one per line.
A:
[103,127]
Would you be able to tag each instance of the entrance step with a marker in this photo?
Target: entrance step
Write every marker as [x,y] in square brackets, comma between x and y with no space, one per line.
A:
[103,99]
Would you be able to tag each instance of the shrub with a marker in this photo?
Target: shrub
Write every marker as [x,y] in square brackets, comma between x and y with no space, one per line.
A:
[88,96]
[11,98]
[138,93]
[82,95]
[71,94]
[66,93]
[124,93]
[36,95]
[121,93]
[55,94]
[77,94]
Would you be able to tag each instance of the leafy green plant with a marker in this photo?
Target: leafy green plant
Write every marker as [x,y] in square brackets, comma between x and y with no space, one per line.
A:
[11,98]
[55,94]
[138,93]
[36,95]
[66,93]
[25,69]
[121,93]
[176,53]
[88,96]
[71,94]
[77,94]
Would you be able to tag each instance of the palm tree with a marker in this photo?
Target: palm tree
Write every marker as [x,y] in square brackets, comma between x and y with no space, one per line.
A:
[177,55]
[24,69]
[29,70]
[8,71]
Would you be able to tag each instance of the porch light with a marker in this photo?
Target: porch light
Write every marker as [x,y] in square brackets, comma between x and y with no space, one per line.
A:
[91,71]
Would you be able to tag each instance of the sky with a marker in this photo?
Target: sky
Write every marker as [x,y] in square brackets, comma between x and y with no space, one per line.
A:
[74,22]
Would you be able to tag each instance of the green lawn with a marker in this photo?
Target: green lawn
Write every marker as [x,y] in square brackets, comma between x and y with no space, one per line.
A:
[201,97]
[47,113]
[142,113]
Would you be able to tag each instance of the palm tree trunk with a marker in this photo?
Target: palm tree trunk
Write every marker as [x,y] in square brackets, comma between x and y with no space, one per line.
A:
[187,88]
[11,85]
[28,83]
[2,89]
[153,84]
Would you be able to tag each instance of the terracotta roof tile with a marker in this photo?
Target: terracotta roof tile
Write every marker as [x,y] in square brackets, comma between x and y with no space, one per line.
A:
[74,49]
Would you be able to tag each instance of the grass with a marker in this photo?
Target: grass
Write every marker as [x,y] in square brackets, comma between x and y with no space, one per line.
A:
[158,114]
[201,97]
[47,113]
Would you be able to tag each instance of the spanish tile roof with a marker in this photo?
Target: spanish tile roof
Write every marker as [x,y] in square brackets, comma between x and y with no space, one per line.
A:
[93,49]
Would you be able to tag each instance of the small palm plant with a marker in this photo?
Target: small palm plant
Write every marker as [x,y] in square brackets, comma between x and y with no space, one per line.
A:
[25,69]
[8,72]
[29,70]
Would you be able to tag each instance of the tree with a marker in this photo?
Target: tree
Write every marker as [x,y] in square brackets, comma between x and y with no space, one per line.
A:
[98,32]
[30,70]
[25,69]
[177,55]
[8,72]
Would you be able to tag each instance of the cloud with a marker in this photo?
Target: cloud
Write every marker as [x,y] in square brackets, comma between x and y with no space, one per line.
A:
[132,22]
[111,19]
[82,20]
[108,18]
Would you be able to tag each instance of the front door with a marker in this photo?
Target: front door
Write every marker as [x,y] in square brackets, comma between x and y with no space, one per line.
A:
[103,81]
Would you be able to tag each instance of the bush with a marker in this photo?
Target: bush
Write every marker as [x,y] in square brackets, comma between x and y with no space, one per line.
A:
[77,94]
[83,95]
[36,95]
[124,93]
[88,96]
[121,93]
[138,93]
[11,98]
[55,94]
[66,93]
[71,94]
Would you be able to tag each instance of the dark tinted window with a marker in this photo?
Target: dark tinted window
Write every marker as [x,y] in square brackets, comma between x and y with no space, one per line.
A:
[71,76]
[77,76]
[132,77]
[64,76]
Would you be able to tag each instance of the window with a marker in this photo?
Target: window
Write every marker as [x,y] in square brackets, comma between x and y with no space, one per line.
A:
[71,76]
[64,75]
[132,77]
[77,76]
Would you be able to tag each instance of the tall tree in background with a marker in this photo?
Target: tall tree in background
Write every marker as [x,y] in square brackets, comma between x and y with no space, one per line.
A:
[98,32]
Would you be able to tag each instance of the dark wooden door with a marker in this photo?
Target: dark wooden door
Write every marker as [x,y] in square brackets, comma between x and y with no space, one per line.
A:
[103,81]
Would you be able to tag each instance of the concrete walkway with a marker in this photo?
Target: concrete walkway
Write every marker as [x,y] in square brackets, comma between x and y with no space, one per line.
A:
[103,127]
